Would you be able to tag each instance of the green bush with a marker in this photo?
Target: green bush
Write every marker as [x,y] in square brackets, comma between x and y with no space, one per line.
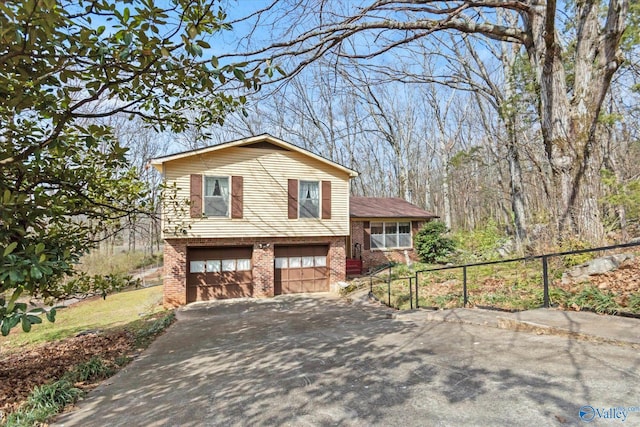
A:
[482,243]
[431,243]
[145,335]
[574,244]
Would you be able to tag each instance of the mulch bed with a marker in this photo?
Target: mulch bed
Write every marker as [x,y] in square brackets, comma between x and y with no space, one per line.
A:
[22,370]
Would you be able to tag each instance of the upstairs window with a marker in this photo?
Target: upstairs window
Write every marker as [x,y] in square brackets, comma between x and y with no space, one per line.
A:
[216,196]
[309,199]
[390,235]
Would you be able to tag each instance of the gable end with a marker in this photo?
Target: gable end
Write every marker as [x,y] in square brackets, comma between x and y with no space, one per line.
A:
[264,145]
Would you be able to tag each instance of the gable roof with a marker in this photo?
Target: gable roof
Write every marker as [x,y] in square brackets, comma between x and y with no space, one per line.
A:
[386,207]
[259,141]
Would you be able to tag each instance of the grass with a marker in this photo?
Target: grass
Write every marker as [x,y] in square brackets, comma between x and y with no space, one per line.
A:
[139,311]
[44,402]
[116,310]
[48,400]
[510,286]
[97,262]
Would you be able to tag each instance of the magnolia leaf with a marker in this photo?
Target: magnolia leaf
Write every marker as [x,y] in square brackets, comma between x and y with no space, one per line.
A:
[26,324]
[5,328]
[34,320]
[10,248]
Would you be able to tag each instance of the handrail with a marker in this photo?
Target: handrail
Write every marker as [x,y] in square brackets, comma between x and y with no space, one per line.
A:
[533,257]
[543,257]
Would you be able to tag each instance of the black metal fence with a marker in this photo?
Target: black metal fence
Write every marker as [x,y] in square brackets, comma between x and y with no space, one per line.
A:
[413,281]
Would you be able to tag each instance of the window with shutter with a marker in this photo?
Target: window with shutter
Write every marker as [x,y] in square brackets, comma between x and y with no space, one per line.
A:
[309,199]
[216,196]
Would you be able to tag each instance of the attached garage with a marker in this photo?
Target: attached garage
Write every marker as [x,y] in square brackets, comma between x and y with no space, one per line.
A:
[301,269]
[217,273]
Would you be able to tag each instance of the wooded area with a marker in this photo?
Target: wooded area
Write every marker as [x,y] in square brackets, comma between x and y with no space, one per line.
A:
[521,112]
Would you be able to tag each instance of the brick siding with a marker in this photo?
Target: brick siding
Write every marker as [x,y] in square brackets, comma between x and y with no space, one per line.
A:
[262,261]
[376,257]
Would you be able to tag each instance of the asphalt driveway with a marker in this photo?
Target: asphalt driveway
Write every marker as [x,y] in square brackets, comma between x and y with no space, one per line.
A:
[319,361]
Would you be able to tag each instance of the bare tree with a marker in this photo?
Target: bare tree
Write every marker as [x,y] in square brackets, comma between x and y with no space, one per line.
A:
[568,107]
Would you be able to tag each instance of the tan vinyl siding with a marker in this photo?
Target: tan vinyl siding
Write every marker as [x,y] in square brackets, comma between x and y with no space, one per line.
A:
[265,175]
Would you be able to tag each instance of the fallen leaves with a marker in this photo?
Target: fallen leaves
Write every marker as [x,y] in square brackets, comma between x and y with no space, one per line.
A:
[21,371]
[623,283]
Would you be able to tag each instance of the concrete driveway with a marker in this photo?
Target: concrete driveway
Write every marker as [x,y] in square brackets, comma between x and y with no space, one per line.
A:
[319,361]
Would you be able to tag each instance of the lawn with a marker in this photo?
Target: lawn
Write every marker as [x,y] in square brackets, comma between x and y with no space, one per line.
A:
[92,314]
[53,365]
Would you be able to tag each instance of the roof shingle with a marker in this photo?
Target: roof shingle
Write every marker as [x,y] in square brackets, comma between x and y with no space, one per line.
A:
[386,207]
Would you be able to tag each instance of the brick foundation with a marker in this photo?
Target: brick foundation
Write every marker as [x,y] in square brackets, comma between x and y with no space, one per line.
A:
[374,258]
[262,261]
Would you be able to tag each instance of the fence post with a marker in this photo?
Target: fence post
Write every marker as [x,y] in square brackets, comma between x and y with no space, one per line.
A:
[545,282]
[370,284]
[410,293]
[417,306]
[465,297]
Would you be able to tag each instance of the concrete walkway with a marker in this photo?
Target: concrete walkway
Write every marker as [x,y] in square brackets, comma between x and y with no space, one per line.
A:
[543,321]
[318,360]
[580,325]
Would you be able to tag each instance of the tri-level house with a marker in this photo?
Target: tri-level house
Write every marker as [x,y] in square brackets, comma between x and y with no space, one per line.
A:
[266,217]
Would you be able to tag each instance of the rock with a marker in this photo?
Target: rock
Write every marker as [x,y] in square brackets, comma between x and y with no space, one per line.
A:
[506,249]
[596,266]
[407,259]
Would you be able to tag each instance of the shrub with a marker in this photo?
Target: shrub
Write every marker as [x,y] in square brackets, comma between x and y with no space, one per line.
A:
[431,243]
[574,244]
[482,243]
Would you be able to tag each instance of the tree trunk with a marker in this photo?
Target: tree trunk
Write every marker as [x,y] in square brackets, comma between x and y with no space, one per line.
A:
[446,196]
[569,118]
[517,193]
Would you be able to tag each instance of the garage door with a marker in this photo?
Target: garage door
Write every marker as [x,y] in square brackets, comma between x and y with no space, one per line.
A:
[301,269]
[216,273]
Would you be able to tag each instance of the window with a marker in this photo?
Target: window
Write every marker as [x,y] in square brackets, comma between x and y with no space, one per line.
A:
[301,262]
[228,265]
[196,267]
[309,199]
[216,196]
[377,235]
[243,265]
[219,266]
[390,235]
[213,266]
